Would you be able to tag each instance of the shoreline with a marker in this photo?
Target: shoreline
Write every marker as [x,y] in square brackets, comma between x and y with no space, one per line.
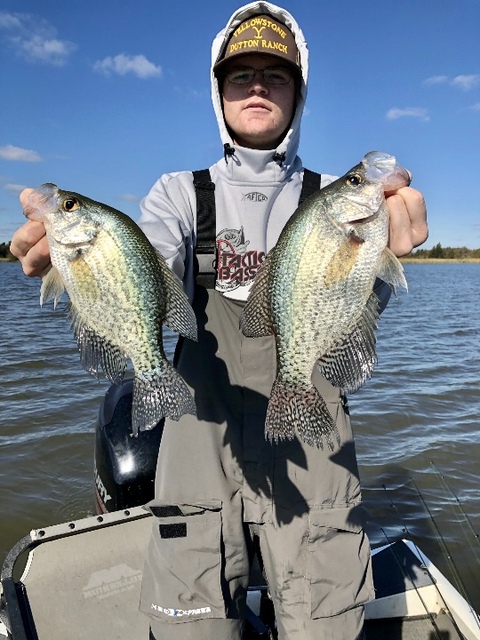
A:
[414,260]
[402,260]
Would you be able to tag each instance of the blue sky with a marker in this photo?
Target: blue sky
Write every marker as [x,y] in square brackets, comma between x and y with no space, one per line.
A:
[103,97]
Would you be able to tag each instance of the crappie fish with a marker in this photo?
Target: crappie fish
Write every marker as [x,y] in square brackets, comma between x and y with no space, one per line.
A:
[314,293]
[121,293]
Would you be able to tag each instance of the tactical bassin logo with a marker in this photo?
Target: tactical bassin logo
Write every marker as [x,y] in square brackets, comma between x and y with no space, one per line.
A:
[109,582]
[236,266]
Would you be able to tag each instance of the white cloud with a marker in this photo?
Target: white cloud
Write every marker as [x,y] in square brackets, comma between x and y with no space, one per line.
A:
[9,20]
[409,112]
[11,153]
[49,51]
[14,188]
[128,197]
[35,39]
[475,107]
[436,80]
[123,64]
[466,82]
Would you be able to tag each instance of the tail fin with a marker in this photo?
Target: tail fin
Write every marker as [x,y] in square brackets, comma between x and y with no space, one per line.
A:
[158,394]
[303,409]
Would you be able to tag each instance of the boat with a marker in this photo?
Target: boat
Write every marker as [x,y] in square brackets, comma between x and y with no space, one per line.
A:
[81,579]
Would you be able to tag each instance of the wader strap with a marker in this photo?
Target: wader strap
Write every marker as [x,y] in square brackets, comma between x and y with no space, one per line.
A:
[311,183]
[206,250]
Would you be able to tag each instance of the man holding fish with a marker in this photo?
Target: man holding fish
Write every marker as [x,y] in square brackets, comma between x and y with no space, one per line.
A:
[222,487]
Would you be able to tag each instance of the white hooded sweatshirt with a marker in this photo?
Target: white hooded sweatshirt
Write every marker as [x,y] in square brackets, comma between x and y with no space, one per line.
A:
[256,191]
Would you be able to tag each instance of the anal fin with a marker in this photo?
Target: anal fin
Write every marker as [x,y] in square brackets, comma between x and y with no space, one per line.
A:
[97,353]
[351,361]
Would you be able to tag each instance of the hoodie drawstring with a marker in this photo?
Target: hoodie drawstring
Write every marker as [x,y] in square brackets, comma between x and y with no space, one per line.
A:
[279,157]
[228,151]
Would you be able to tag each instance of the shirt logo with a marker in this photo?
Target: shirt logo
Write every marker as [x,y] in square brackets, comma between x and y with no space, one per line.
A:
[254,196]
[236,266]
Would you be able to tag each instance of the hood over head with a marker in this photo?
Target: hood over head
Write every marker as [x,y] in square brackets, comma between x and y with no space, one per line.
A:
[261,34]
[287,44]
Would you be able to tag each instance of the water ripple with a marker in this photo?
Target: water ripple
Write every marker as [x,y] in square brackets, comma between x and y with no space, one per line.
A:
[416,422]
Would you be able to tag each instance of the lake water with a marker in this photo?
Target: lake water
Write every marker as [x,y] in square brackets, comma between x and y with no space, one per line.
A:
[417,422]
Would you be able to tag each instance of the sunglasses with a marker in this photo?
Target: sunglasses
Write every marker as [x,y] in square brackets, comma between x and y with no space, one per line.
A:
[271,75]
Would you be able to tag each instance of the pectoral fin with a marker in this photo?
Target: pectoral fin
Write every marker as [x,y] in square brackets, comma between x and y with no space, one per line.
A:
[52,287]
[343,261]
[391,270]
[85,280]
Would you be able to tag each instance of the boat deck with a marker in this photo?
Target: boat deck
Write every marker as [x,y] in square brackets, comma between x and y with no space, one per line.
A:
[86,587]
[438,628]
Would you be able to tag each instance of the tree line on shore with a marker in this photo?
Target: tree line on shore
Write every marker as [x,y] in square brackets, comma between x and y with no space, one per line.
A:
[438,252]
[446,253]
[5,252]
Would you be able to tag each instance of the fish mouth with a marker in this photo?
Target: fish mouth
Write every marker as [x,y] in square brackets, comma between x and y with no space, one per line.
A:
[384,168]
[34,201]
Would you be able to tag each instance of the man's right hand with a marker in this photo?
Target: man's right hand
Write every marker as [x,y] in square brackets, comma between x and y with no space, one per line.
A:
[29,244]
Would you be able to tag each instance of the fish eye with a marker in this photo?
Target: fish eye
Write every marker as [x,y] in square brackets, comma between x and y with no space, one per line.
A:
[70,204]
[354,179]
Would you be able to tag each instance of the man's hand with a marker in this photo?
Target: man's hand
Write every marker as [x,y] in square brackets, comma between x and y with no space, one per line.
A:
[29,244]
[408,220]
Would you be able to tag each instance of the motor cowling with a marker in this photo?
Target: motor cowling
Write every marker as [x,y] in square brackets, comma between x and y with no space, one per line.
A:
[124,465]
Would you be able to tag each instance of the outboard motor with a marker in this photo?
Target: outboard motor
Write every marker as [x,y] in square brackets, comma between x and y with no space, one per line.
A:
[124,465]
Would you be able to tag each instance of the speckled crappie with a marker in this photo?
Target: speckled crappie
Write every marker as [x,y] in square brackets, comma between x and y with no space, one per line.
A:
[121,293]
[314,293]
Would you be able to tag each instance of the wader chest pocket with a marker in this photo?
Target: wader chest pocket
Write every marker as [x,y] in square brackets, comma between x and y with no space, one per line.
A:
[182,576]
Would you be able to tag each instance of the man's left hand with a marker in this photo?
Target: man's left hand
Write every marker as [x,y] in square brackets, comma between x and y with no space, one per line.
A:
[408,220]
